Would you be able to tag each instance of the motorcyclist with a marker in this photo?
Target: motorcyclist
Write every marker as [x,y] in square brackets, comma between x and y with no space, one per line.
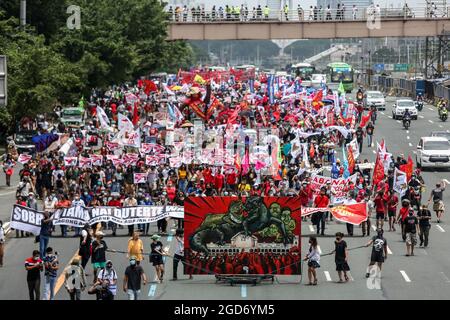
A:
[406,116]
[419,97]
[359,95]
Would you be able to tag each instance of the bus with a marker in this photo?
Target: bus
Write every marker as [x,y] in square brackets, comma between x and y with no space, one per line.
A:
[340,71]
[303,70]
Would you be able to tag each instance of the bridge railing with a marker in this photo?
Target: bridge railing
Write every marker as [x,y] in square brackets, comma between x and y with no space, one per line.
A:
[179,15]
[406,87]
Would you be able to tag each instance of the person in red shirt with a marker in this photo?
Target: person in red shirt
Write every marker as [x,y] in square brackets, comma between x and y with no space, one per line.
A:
[392,204]
[402,214]
[380,209]
[231,180]
[321,201]
[114,202]
[218,182]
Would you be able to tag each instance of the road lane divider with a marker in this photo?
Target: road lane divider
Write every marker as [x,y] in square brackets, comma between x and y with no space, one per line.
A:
[405,276]
[440,228]
[421,117]
[389,251]
[410,144]
[430,121]
[407,137]
[311,228]
[445,277]
[327,276]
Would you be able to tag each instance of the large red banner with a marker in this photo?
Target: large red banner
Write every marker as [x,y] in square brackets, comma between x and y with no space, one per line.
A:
[231,235]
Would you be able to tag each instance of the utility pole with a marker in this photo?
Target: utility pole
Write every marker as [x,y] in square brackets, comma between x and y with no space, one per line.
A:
[23,13]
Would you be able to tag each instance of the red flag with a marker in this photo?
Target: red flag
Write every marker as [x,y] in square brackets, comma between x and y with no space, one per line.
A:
[136,114]
[408,168]
[365,120]
[378,171]
[351,213]
[150,86]
[350,159]
[318,96]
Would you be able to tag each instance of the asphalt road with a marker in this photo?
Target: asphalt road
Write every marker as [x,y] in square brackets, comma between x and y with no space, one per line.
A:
[424,276]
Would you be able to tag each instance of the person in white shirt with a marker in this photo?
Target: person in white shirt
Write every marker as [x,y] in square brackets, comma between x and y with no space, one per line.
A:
[313,258]
[130,202]
[50,203]
[354,12]
[78,202]
[107,280]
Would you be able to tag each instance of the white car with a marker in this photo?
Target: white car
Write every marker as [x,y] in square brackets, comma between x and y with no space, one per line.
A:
[398,109]
[317,80]
[433,152]
[374,98]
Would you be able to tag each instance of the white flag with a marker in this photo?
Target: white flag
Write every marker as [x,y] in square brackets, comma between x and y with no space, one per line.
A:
[125,123]
[400,185]
[103,118]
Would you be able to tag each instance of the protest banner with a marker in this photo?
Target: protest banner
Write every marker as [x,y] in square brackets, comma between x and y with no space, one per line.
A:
[140,178]
[339,187]
[29,220]
[349,213]
[216,226]
[400,184]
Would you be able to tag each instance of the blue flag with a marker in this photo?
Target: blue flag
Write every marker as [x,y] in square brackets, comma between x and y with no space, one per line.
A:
[43,141]
[345,163]
[334,168]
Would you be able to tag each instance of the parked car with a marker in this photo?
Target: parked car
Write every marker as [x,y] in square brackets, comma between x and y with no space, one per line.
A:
[400,106]
[374,97]
[433,152]
[23,142]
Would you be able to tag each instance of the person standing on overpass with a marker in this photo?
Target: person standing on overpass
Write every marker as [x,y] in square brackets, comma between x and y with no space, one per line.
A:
[266,12]
[354,12]
[286,12]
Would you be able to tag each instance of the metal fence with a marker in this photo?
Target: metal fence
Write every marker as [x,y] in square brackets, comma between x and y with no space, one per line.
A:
[179,14]
[404,87]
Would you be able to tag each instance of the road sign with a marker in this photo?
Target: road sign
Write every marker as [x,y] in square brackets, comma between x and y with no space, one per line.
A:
[3,82]
[389,67]
[401,67]
[379,67]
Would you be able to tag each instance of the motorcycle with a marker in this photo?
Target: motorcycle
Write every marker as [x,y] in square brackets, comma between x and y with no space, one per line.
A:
[419,105]
[406,123]
[444,115]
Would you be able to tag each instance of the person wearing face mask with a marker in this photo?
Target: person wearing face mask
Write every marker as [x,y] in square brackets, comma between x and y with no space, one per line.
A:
[379,251]
[105,286]
[313,258]
[51,270]
[78,202]
[134,273]
[136,247]
[130,201]
[341,256]
[99,248]
[145,227]
[34,266]
[411,229]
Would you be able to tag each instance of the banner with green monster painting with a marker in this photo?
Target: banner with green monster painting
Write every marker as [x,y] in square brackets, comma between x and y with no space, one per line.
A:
[239,235]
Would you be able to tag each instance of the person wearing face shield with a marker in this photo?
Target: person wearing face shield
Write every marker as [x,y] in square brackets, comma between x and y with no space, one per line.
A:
[134,273]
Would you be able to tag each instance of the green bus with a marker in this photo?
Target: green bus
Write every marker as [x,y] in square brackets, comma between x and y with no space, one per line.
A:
[340,71]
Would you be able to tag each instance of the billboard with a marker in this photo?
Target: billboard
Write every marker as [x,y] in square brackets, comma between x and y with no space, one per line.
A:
[231,235]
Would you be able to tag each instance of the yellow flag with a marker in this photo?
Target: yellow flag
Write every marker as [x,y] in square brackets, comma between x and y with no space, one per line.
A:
[199,79]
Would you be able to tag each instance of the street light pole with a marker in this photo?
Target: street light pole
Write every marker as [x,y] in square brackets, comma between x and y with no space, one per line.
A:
[23,13]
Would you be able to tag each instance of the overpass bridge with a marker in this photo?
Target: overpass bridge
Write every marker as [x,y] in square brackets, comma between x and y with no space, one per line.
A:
[213,25]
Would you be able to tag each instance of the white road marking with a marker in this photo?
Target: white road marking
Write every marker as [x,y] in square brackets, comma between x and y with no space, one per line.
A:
[374,228]
[350,276]
[327,275]
[407,131]
[407,137]
[421,117]
[152,291]
[7,193]
[243,291]
[448,131]
[440,126]
[382,113]
[430,121]
[389,250]
[440,228]
[445,277]
[430,108]
[6,227]
[319,249]
[410,144]
[390,117]
[311,228]
[374,152]
[405,276]
[425,252]
[398,121]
